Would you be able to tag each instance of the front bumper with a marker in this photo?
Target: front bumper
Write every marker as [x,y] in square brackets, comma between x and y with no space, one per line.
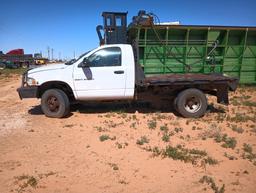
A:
[28,92]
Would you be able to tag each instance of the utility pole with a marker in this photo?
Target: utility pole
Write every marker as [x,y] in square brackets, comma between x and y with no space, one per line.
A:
[52,53]
[74,54]
[48,51]
[59,55]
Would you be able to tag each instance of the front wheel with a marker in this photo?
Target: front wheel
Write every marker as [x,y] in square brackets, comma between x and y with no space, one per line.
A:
[191,103]
[55,103]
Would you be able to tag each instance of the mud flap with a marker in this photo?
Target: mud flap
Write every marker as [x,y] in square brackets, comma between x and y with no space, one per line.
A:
[222,94]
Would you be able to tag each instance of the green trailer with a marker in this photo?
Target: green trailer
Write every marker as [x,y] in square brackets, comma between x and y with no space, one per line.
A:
[176,49]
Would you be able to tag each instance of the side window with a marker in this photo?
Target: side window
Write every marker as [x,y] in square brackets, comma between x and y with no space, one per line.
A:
[106,57]
[108,21]
[118,21]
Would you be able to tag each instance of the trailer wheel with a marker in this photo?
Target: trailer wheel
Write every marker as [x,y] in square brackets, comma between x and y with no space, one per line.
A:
[191,103]
[55,103]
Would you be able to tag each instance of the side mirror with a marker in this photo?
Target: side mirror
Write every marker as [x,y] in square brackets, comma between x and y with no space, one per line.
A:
[84,64]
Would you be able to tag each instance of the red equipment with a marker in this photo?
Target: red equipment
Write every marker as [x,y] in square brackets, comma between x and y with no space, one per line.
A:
[16,52]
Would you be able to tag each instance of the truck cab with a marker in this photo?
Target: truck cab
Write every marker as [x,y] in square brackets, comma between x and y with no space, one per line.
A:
[105,73]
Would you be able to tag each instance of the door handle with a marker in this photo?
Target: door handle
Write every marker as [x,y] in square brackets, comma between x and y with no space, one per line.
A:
[119,72]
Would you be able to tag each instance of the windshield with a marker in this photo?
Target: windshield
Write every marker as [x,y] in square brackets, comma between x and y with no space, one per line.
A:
[72,61]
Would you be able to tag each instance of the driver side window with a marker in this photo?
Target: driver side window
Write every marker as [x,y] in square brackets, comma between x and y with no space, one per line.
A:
[105,57]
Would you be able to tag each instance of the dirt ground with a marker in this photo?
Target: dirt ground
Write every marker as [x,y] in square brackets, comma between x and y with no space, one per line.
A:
[120,147]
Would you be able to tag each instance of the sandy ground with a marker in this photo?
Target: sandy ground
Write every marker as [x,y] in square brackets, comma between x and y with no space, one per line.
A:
[122,148]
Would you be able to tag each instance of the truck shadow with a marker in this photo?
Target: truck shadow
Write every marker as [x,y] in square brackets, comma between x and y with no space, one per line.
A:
[125,107]
[145,107]
[36,110]
[105,107]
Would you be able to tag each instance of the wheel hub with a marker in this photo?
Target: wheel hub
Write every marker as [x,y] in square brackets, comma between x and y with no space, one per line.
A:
[193,104]
[53,104]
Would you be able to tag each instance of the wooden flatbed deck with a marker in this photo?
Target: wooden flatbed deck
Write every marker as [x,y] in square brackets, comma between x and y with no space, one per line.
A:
[191,79]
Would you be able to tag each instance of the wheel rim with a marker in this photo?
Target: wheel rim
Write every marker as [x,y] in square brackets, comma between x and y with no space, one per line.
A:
[53,104]
[192,104]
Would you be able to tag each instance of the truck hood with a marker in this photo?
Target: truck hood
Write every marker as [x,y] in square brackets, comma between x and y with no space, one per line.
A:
[47,68]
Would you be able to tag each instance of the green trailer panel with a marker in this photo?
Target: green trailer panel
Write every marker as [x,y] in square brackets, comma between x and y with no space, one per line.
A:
[166,49]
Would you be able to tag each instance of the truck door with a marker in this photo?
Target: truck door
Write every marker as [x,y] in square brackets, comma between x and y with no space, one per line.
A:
[102,75]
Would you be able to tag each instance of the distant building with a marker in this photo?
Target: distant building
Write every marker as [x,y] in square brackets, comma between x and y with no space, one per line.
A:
[17,57]
[38,55]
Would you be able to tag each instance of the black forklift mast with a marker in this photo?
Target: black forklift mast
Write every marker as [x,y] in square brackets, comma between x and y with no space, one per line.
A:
[114,29]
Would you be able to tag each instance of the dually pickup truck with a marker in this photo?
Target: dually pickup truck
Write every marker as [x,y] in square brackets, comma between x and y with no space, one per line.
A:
[111,72]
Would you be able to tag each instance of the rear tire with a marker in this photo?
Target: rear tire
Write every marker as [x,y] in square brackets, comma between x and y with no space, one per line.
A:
[55,103]
[191,103]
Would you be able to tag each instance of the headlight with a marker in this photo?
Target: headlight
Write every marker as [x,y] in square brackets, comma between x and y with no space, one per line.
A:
[31,81]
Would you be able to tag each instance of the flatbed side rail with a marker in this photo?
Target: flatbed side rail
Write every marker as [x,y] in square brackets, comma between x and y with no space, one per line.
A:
[214,84]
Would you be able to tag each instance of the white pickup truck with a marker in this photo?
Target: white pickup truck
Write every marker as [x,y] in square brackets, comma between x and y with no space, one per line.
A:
[111,72]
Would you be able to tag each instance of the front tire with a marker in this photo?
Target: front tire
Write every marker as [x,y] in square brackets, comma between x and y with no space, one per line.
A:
[191,103]
[55,103]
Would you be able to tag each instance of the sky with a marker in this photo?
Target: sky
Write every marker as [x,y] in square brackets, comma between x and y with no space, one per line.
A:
[69,27]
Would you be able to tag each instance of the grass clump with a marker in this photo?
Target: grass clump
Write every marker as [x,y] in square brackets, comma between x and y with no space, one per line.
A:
[237,129]
[183,154]
[166,137]
[100,129]
[159,116]
[133,125]
[164,128]
[242,100]
[248,153]
[212,132]
[122,115]
[142,140]
[134,117]
[152,124]
[220,117]
[230,157]
[210,181]
[178,129]
[25,181]
[121,145]
[112,124]
[109,115]
[210,161]
[247,148]
[8,72]
[249,103]
[228,142]
[106,137]
[241,118]
[177,153]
